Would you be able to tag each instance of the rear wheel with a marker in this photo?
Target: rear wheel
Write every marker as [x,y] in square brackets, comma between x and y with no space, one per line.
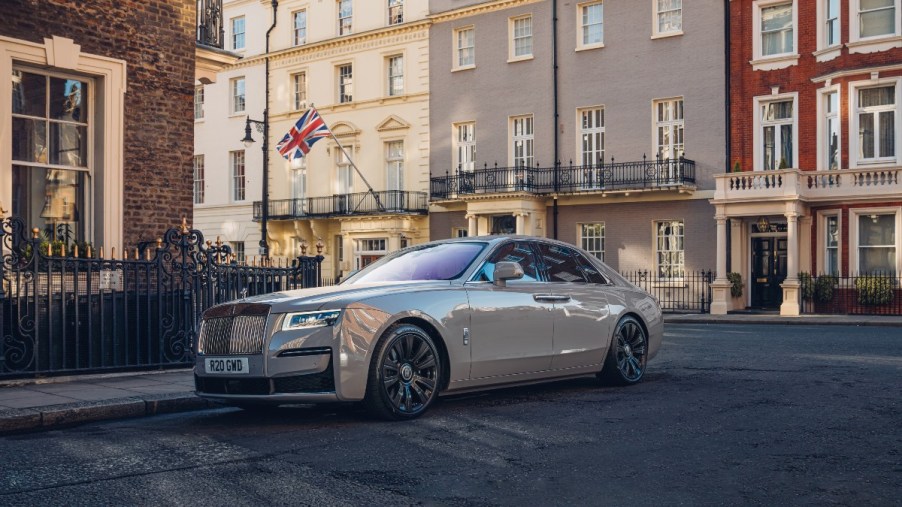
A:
[628,354]
[404,374]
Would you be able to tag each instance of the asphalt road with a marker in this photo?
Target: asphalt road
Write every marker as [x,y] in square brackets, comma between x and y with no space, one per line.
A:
[726,415]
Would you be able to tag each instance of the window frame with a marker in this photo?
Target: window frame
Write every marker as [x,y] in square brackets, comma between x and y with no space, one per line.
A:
[657,259]
[235,98]
[760,61]
[584,239]
[656,16]
[391,77]
[859,44]
[395,4]
[823,159]
[296,38]
[581,45]
[529,138]
[344,86]
[822,247]
[458,48]
[297,93]
[854,216]
[757,134]
[512,39]
[674,105]
[582,130]
[238,178]
[239,251]
[825,50]
[856,162]
[199,183]
[345,23]
[394,165]
[459,145]
[236,36]
[199,103]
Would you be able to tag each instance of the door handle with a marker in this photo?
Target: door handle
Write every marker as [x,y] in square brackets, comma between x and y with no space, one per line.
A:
[551,298]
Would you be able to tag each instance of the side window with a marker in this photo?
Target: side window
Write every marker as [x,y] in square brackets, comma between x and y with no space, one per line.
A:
[560,264]
[589,270]
[510,252]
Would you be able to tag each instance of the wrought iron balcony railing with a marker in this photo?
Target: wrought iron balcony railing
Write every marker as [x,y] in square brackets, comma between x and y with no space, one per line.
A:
[210,30]
[386,202]
[647,174]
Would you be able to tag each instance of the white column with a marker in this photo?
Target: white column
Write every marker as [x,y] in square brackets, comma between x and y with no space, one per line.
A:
[721,247]
[472,226]
[790,286]
[521,222]
[720,288]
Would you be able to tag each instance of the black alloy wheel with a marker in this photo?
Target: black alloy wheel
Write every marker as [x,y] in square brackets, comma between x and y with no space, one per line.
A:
[627,355]
[404,375]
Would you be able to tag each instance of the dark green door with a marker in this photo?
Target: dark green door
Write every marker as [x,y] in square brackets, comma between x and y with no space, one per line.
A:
[768,271]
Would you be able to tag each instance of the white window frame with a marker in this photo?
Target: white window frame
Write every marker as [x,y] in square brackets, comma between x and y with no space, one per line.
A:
[238,250]
[464,146]
[199,183]
[858,44]
[825,50]
[822,217]
[513,38]
[596,130]
[854,160]
[298,168]
[657,261]
[460,232]
[199,103]
[298,34]
[398,18]
[359,251]
[345,89]
[238,39]
[299,91]
[238,160]
[588,241]
[656,21]
[459,48]
[854,215]
[394,165]
[823,159]
[776,61]
[344,172]
[346,23]
[395,75]
[529,138]
[237,100]
[673,104]
[581,28]
[758,138]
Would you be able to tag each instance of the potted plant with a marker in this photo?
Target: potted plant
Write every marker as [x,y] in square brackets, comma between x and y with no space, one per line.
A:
[735,284]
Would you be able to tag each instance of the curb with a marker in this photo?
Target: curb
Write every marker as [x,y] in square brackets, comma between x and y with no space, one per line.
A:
[784,321]
[69,414]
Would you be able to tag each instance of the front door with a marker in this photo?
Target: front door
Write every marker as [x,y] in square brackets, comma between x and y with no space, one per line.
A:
[768,271]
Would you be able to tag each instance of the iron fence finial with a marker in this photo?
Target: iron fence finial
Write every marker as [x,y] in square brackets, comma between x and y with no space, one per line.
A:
[184,226]
[35,232]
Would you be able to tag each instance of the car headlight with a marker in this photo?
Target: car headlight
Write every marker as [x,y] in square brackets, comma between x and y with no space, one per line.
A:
[308,320]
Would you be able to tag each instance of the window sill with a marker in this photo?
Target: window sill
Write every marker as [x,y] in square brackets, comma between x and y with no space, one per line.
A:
[775,62]
[589,47]
[519,59]
[874,45]
[465,67]
[880,163]
[666,35]
[827,54]
[237,114]
[198,120]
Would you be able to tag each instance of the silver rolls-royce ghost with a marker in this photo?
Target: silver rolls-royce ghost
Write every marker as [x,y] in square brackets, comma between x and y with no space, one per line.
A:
[442,317]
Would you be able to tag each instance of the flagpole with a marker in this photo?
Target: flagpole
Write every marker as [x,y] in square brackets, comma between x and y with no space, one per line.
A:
[367,183]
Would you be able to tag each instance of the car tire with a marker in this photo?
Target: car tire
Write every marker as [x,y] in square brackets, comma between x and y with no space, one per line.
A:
[404,374]
[627,355]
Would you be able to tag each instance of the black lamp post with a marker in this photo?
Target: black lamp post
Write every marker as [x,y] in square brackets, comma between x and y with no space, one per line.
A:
[262,127]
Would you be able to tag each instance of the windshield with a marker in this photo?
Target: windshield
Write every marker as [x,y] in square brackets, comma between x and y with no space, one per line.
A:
[436,261]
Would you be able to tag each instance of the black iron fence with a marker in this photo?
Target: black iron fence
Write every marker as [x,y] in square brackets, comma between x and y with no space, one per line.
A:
[85,313]
[647,174]
[685,294]
[872,294]
[362,203]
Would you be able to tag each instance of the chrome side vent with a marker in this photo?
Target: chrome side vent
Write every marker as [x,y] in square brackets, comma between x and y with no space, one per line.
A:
[242,334]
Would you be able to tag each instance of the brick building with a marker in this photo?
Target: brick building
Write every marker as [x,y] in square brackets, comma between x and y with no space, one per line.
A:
[97,139]
[816,149]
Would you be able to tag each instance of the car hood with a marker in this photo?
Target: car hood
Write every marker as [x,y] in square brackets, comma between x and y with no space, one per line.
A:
[338,296]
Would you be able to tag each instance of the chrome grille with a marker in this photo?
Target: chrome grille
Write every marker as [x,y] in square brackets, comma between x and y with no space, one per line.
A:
[242,334]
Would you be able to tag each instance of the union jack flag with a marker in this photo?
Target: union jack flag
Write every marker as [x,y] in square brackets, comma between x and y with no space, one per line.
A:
[308,130]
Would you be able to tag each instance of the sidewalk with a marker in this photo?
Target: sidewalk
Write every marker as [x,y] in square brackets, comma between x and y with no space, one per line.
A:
[35,404]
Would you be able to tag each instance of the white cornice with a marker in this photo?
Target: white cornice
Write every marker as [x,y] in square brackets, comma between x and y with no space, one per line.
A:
[855,72]
[473,10]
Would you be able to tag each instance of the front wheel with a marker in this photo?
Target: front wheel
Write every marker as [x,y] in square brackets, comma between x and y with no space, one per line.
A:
[628,354]
[404,374]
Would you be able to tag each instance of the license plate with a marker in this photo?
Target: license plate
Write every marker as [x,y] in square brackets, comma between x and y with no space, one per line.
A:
[226,366]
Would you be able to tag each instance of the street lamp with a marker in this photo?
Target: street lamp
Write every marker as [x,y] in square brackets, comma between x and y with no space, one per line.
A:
[262,127]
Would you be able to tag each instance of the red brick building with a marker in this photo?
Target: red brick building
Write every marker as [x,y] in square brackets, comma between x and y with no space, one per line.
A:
[96,121]
[815,147]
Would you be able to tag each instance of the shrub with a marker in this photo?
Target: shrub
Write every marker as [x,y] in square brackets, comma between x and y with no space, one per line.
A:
[823,288]
[806,286]
[874,289]
[735,284]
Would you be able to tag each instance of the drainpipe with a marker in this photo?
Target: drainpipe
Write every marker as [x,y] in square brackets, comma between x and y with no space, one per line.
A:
[557,157]
[727,124]
[264,240]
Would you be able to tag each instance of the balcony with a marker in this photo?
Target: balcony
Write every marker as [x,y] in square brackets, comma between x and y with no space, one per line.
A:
[655,174]
[386,202]
[812,186]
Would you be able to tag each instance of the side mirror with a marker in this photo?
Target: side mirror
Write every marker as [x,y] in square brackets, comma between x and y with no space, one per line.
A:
[505,271]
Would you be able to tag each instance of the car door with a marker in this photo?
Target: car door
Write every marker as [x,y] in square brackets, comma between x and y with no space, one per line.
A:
[582,328]
[511,326]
